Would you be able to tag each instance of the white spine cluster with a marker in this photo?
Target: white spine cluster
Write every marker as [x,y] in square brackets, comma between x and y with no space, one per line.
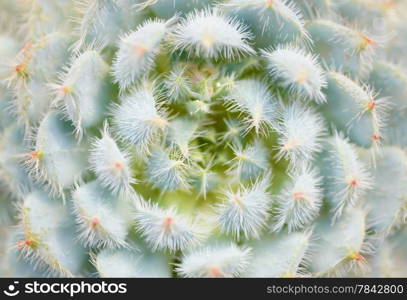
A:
[215,261]
[300,132]
[254,101]
[110,164]
[137,51]
[78,93]
[164,172]
[98,216]
[245,212]
[300,201]
[139,119]
[298,72]
[165,229]
[211,34]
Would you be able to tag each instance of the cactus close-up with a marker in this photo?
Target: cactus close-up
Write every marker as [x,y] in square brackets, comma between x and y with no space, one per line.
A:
[203,138]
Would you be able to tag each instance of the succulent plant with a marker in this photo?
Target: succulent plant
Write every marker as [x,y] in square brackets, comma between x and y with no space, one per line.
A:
[186,138]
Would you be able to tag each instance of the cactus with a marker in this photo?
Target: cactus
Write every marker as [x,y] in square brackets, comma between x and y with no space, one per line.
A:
[186,138]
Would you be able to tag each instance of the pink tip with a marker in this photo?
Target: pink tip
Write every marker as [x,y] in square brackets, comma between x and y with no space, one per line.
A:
[215,272]
[95,222]
[371,105]
[118,165]
[298,195]
[168,222]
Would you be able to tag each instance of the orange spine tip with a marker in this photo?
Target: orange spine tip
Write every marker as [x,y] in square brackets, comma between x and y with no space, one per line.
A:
[358,257]
[371,105]
[64,90]
[19,67]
